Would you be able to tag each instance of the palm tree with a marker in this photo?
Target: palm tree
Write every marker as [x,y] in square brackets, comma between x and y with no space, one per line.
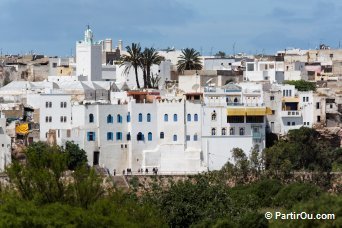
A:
[133,59]
[189,60]
[149,57]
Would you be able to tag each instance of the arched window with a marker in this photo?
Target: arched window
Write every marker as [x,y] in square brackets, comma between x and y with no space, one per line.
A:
[231,131]
[119,118]
[224,131]
[166,117]
[213,116]
[195,117]
[140,136]
[91,118]
[109,119]
[161,135]
[148,117]
[189,117]
[175,118]
[175,138]
[213,131]
[140,117]
[149,136]
[242,131]
[235,101]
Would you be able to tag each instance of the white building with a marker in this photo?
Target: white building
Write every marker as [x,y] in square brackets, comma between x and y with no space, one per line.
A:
[272,71]
[292,109]
[233,117]
[129,133]
[5,145]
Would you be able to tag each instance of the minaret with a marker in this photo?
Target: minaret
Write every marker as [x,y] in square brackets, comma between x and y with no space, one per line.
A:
[89,57]
[88,35]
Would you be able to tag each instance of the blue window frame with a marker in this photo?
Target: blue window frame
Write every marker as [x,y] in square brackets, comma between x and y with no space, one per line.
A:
[140,117]
[166,118]
[110,119]
[128,117]
[162,135]
[189,117]
[195,117]
[91,136]
[175,138]
[195,137]
[118,135]
[91,118]
[119,118]
[149,136]
[148,117]
[175,118]
[109,136]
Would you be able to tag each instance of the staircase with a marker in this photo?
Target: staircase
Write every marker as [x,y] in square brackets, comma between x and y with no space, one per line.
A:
[120,182]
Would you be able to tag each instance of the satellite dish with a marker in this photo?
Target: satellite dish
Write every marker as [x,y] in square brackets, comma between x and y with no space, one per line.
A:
[195,87]
[207,82]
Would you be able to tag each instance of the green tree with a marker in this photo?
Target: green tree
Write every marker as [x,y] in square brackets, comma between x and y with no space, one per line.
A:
[132,60]
[189,60]
[76,157]
[302,85]
[241,165]
[149,57]
[301,149]
[40,177]
[220,54]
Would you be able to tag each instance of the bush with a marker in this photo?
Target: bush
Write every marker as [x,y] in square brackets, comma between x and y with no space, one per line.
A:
[295,193]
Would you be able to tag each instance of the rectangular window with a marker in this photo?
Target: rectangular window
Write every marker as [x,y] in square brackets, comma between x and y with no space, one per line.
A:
[255,119]
[303,99]
[307,99]
[109,136]
[288,123]
[118,136]
[318,118]
[272,98]
[68,133]
[187,137]
[235,119]
[317,105]
[293,123]
[290,93]
[195,137]
[91,136]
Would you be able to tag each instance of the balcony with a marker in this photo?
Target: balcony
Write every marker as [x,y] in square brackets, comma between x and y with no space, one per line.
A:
[291,113]
[256,135]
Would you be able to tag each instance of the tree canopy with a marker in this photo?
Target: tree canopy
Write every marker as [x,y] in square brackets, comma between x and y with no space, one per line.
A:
[189,60]
[302,85]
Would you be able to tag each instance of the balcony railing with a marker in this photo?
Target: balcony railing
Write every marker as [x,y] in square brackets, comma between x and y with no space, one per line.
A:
[291,113]
[256,135]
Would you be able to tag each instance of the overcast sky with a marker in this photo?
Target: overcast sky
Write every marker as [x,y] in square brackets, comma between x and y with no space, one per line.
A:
[52,27]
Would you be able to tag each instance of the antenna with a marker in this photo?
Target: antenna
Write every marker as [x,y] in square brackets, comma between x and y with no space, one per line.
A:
[234,49]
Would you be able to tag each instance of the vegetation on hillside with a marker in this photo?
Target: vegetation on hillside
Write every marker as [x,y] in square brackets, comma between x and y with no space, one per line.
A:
[56,188]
